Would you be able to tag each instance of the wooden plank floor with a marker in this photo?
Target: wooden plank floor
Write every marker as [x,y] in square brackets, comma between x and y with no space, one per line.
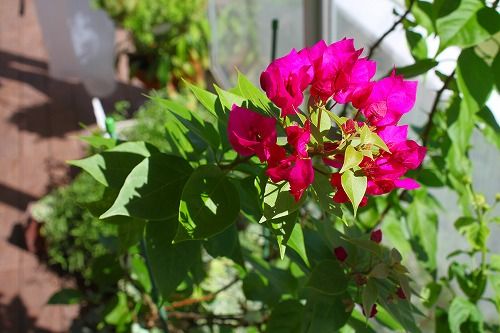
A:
[39,120]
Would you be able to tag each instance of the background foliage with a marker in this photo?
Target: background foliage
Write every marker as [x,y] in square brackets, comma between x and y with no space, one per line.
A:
[170,37]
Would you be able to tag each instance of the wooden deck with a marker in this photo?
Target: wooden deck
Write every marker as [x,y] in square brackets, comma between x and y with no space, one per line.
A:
[39,121]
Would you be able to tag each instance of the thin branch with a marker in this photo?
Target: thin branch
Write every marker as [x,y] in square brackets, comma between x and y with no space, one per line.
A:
[391,29]
[495,4]
[234,163]
[206,298]
[211,319]
[428,126]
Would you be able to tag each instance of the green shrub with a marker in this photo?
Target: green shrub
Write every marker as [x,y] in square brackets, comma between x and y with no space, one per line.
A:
[74,237]
[171,37]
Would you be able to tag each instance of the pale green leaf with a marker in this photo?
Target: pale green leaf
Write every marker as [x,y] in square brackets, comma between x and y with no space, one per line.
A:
[355,188]
[464,316]
[468,25]
[352,158]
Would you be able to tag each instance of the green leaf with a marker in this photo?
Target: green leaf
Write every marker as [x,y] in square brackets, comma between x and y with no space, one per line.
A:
[139,272]
[401,311]
[441,322]
[117,312]
[468,25]
[369,296]
[495,67]
[420,67]
[296,242]
[206,98]
[464,316]
[209,204]
[475,232]
[338,120]
[278,202]
[282,228]
[495,262]
[494,280]
[488,126]
[366,244]
[204,130]
[369,137]
[286,317]
[422,11]
[417,44]
[328,278]
[111,167]
[327,314]
[472,283]
[258,100]
[323,193]
[352,158]
[228,99]
[359,324]
[249,197]
[152,190]
[130,233]
[422,222]
[99,142]
[65,296]
[459,133]
[431,293]
[385,318]
[395,232]
[258,288]
[170,263]
[225,244]
[354,187]
[474,79]
[380,271]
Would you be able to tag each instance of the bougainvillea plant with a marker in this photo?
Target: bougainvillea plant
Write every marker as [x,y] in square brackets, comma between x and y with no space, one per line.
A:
[370,157]
[284,161]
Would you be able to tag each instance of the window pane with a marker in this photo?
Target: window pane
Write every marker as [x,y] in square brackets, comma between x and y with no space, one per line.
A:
[241,34]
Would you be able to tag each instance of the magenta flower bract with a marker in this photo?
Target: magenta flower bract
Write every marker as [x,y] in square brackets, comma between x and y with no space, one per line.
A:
[359,85]
[389,99]
[298,137]
[384,172]
[333,66]
[285,80]
[340,253]
[300,177]
[376,236]
[251,133]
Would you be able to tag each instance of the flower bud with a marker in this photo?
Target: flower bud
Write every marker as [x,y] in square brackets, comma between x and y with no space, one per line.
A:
[340,253]
[349,127]
[373,311]
[360,279]
[400,292]
[479,199]
[497,197]
[376,236]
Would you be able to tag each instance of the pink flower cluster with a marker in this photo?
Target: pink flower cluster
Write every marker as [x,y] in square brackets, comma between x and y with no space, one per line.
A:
[334,74]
